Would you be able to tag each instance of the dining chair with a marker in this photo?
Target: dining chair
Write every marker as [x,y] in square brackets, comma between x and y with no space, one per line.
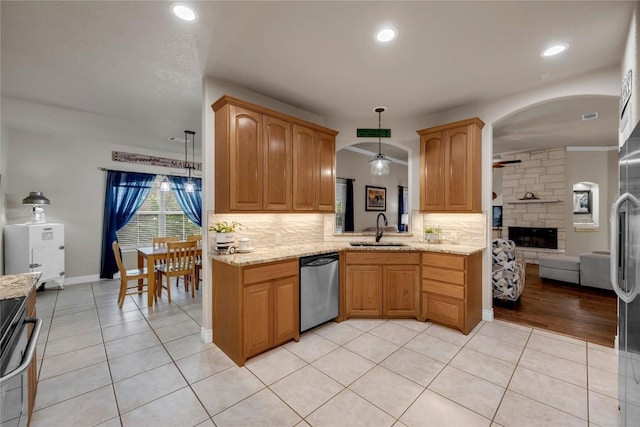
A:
[197,238]
[161,243]
[180,262]
[128,275]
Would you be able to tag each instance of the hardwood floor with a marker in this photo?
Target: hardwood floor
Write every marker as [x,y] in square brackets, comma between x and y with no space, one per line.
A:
[586,313]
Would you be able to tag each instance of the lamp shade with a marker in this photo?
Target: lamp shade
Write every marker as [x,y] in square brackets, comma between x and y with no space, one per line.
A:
[35,198]
[379,165]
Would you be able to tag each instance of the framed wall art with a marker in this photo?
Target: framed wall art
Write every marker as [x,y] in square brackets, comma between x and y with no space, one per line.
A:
[376,198]
[582,202]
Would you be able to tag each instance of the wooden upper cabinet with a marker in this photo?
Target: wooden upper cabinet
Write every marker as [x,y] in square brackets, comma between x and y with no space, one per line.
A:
[277,164]
[245,152]
[450,167]
[432,172]
[305,170]
[326,171]
[267,161]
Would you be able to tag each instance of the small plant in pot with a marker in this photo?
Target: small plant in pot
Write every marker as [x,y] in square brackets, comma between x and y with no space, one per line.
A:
[225,233]
[433,234]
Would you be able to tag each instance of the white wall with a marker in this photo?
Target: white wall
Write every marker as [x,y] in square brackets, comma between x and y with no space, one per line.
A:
[630,62]
[354,165]
[65,168]
[599,167]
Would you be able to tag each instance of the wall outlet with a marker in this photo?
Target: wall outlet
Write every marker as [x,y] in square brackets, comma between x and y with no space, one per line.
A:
[278,238]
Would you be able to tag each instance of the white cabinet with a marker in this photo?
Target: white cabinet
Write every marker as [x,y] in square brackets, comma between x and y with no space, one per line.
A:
[35,248]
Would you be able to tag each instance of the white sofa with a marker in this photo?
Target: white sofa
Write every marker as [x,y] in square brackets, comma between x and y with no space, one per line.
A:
[595,270]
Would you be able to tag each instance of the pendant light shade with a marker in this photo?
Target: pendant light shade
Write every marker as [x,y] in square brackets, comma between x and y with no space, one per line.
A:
[165,185]
[379,165]
[35,198]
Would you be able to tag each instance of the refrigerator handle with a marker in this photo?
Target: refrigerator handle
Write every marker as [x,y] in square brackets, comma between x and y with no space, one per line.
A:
[627,297]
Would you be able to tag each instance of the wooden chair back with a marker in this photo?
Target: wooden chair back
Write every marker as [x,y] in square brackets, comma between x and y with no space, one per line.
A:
[118,255]
[181,258]
[161,243]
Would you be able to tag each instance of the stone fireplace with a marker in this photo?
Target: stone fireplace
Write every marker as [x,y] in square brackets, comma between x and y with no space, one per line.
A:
[534,237]
[541,173]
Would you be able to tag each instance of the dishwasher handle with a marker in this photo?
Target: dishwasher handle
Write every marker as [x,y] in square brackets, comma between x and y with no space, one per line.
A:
[318,260]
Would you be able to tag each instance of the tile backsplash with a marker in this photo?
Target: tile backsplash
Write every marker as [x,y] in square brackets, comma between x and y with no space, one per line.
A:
[269,230]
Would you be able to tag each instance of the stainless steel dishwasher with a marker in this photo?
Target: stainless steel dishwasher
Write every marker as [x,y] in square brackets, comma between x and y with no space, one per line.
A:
[319,303]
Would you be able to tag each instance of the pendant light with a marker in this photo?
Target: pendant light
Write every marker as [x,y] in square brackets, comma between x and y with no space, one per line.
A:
[379,165]
[165,185]
[190,186]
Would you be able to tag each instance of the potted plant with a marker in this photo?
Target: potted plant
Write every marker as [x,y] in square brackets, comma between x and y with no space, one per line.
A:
[433,234]
[225,233]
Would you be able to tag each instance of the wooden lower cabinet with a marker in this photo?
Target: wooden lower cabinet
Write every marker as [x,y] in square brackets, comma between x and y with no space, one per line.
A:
[452,289]
[382,284]
[33,368]
[255,308]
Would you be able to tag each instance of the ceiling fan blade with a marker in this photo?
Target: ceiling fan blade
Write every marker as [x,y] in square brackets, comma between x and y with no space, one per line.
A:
[497,165]
[507,162]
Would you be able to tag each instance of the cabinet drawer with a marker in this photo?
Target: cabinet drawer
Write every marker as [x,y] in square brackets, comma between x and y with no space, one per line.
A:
[446,289]
[443,310]
[379,258]
[456,262]
[439,274]
[270,272]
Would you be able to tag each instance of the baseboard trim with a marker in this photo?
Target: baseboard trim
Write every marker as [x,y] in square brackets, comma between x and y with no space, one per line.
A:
[487,315]
[81,279]
[206,335]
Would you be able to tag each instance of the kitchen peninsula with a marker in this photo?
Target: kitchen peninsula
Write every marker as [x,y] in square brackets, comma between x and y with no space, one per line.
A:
[255,295]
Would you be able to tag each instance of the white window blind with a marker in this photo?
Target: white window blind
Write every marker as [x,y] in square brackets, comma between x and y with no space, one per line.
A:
[341,204]
[159,215]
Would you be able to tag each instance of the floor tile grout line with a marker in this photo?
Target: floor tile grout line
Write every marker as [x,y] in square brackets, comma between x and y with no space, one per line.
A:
[506,387]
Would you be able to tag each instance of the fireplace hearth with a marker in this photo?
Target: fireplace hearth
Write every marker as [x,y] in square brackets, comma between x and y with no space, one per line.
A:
[534,237]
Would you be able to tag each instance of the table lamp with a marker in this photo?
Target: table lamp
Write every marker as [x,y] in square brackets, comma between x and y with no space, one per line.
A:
[35,199]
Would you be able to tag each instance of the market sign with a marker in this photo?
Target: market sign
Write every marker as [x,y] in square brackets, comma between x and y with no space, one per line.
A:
[373,133]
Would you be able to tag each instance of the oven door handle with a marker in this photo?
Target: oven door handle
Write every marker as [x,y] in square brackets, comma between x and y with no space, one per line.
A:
[31,349]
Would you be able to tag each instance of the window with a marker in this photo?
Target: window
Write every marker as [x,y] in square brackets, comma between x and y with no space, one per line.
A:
[341,204]
[159,215]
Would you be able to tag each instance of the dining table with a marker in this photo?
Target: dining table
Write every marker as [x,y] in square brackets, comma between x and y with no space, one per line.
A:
[150,255]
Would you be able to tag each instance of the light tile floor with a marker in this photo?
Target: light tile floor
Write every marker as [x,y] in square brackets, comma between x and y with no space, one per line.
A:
[104,366]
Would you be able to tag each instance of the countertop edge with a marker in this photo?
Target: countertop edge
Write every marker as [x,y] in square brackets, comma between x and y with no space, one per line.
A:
[17,285]
[283,253]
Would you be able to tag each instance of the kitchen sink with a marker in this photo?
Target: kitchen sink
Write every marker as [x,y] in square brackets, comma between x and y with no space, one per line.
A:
[376,244]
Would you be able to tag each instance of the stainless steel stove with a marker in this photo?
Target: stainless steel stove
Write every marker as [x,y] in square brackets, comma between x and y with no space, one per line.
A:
[17,348]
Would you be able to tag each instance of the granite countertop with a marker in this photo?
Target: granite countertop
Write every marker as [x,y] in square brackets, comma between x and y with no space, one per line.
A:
[17,285]
[281,253]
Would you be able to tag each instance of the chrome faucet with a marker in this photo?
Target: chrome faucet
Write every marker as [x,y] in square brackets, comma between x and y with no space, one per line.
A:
[378,231]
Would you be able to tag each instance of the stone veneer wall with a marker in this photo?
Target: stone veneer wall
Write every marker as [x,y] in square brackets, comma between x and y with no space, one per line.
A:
[543,174]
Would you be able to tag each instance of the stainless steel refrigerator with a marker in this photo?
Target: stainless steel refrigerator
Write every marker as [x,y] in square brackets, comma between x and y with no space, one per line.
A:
[625,276]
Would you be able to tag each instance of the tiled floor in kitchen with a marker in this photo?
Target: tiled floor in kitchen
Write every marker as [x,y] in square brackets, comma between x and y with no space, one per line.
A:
[136,367]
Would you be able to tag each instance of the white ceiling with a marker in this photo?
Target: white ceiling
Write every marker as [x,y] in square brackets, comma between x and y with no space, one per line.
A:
[134,64]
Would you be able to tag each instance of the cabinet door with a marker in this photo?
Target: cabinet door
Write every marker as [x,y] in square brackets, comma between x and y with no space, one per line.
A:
[444,310]
[458,174]
[432,170]
[286,306]
[364,290]
[401,290]
[304,169]
[326,146]
[277,164]
[245,160]
[258,318]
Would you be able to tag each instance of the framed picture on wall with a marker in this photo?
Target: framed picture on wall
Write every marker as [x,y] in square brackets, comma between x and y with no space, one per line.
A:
[376,198]
[582,202]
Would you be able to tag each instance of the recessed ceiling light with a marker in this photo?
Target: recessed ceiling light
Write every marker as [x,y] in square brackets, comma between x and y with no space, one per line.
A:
[554,50]
[183,12]
[386,34]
